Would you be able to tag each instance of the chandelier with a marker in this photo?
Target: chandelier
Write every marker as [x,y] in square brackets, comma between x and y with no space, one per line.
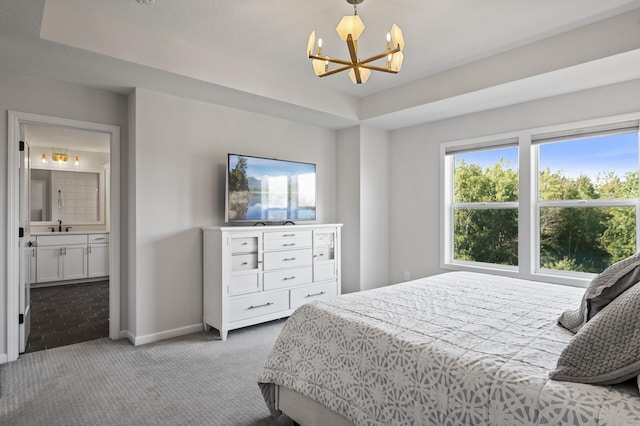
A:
[349,29]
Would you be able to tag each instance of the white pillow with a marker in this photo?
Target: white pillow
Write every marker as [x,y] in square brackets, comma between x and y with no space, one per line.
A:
[603,289]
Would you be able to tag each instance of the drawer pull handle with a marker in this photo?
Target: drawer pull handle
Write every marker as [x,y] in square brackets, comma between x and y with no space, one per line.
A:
[244,244]
[289,278]
[288,259]
[289,245]
[288,235]
[245,263]
[316,294]
[96,239]
[261,306]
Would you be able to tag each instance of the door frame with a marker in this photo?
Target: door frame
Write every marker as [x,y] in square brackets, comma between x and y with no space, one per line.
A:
[15,118]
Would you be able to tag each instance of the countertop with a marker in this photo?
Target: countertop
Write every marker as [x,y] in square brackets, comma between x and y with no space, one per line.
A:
[37,234]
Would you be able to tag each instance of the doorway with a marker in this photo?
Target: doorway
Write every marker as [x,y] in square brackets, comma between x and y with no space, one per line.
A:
[69,281]
[17,122]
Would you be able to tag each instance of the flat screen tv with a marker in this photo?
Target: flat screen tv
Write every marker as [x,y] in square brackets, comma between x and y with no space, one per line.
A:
[269,190]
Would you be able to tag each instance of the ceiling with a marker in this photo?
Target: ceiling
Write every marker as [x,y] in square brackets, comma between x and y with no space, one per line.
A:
[66,138]
[250,54]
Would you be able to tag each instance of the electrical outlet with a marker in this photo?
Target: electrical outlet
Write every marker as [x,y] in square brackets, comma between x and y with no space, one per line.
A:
[407,276]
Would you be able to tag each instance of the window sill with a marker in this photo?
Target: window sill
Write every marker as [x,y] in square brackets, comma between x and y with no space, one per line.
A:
[547,276]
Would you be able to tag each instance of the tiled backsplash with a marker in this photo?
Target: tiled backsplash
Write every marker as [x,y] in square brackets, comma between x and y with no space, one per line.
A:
[75,197]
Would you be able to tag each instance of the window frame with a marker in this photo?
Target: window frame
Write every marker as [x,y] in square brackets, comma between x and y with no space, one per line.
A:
[528,204]
[481,205]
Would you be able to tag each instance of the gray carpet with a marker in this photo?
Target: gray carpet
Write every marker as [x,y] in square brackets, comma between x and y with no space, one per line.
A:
[195,379]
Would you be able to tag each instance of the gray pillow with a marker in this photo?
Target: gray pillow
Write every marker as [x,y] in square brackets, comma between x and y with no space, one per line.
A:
[605,287]
[606,350]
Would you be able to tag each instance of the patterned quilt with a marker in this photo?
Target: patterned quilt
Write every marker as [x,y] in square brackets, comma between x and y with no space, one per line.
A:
[459,348]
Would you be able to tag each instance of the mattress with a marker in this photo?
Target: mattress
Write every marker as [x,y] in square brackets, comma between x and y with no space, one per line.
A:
[451,349]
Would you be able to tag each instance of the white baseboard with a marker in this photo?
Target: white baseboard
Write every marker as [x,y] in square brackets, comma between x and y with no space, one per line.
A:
[126,334]
[168,334]
[3,358]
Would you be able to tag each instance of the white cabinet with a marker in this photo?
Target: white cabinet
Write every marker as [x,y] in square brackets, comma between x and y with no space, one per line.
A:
[64,257]
[61,257]
[324,255]
[98,255]
[49,264]
[98,260]
[74,262]
[255,275]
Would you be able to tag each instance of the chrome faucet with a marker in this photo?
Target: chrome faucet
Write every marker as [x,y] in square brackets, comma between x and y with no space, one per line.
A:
[59,225]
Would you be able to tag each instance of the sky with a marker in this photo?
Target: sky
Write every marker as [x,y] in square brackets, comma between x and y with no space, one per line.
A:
[259,167]
[617,153]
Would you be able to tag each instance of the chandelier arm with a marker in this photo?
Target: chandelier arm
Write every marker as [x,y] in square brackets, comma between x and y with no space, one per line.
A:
[352,50]
[332,60]
[376,68]
[379,56]
[335,71]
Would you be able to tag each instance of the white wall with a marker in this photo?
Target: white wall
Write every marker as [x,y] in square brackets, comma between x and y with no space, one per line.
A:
[35,95]
[348,208]
[363,207]
[374,208]
[415,177]
[181,148]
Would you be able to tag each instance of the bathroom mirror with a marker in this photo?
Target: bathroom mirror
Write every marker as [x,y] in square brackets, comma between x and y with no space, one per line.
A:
[71,196]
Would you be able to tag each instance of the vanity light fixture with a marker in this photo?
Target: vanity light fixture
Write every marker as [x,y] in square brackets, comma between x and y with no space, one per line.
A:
[59,158]
[349,29]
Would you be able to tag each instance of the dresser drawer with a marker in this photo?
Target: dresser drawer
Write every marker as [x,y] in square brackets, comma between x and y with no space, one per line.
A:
[287,259]
[244,245]
[302,295]
[293,243]
[259,304]
[244,262]
[286,240]
[287,278]
[287,235]
[243,284]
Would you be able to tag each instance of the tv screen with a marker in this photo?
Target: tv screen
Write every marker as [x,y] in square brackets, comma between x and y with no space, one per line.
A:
[269,190]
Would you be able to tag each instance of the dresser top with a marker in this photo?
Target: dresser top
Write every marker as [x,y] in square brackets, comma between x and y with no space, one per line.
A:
[270,227]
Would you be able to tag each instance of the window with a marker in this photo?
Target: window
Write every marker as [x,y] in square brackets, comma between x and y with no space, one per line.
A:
[484,205]
[587,199]
[560,202]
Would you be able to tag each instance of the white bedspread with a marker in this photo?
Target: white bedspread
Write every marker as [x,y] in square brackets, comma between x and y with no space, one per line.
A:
[454,349]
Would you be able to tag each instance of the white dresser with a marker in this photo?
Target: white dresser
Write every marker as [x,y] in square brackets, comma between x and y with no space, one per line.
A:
[256,274]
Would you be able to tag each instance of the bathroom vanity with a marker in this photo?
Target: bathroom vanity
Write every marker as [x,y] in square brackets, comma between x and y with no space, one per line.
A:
[69,256]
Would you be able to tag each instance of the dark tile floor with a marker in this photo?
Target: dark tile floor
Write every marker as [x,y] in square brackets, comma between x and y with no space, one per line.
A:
[67,314]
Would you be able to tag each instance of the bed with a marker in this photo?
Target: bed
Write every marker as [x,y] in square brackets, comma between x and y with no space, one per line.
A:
[459,348]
